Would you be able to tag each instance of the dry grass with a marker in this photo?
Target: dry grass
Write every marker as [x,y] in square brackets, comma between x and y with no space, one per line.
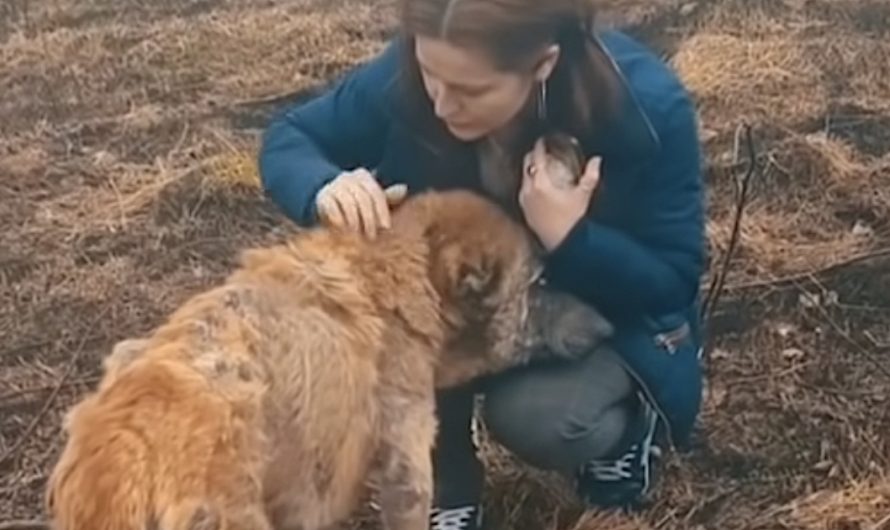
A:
[757,66]
[859,505]
[725,70]
[818,202]
[128,181]
[177,66]
[815,86]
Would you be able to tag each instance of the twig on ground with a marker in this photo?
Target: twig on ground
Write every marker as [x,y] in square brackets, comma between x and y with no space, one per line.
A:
[708,502]
[32,524]
[278,98]
[24,348]
[869,355]
[69,369]
[883,524]
[794,278]
[37,389]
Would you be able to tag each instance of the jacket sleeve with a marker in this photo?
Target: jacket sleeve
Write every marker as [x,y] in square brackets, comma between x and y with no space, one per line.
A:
[309,144]
[655,266]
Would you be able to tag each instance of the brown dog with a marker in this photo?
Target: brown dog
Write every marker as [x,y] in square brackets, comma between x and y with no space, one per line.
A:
[268,401]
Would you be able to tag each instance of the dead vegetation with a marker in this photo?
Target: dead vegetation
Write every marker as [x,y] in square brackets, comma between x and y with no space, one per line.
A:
[127,137]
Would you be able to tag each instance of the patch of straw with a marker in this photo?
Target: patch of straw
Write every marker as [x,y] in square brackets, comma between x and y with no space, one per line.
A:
[857,67]
[212,58]
[864,505]
[757,80]
[806,207]
[237,165]
[595,520]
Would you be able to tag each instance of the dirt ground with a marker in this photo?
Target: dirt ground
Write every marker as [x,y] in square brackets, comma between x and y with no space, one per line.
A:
[127,182]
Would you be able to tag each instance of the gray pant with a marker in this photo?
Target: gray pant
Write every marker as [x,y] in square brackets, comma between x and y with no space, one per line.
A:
[554,416]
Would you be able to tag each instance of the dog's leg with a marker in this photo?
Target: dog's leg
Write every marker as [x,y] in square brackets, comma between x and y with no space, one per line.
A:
[251,518]
[195,515]
[406,481]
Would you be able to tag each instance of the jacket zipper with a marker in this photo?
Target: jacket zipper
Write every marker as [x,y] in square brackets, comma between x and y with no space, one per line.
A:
[652,400]
[668,340]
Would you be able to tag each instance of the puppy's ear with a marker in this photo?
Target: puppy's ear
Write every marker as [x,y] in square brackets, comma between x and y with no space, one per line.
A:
[472,280]
[476,280]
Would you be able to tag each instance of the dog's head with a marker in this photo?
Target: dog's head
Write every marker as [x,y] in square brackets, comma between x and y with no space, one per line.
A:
[488,272]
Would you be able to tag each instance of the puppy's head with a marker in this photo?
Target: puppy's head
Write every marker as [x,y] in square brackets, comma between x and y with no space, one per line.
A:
[487,270]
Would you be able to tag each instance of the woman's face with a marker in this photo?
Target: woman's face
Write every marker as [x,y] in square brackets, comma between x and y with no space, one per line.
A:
[469,94]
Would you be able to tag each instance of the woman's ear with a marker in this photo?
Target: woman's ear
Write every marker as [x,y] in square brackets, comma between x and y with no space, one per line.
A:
[547,62]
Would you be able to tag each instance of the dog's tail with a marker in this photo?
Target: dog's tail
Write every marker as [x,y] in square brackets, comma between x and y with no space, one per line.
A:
[137,458]
[101,481]
[106,480]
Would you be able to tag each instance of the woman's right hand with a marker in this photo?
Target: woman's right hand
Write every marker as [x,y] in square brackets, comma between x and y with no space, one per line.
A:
[355,200]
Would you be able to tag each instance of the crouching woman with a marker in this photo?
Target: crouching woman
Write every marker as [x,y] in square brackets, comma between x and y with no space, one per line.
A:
[457,99]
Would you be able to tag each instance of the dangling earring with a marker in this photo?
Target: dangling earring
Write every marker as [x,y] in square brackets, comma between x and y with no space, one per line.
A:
[542,101]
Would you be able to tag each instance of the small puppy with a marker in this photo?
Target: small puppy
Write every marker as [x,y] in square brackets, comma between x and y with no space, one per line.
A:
[565,160]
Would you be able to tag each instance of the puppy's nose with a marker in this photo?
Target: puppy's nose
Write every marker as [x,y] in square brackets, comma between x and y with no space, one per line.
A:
[578,328]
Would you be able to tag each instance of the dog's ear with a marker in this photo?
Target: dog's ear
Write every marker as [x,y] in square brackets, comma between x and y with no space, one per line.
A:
[123,353]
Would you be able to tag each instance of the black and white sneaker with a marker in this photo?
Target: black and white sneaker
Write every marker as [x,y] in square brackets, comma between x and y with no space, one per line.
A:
[623,482]
[467,517]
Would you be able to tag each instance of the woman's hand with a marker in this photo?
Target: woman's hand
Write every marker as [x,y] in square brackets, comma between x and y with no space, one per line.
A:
[355,200]
[552,211]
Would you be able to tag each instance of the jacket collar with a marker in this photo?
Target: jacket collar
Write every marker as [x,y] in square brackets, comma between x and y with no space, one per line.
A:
[629,135]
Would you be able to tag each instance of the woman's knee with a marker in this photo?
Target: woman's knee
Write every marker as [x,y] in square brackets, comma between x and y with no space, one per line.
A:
[552,423]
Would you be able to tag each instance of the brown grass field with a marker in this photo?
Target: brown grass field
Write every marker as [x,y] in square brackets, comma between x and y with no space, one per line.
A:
[128,132]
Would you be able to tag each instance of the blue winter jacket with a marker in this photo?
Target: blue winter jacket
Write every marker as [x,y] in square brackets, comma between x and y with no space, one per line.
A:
[638,255]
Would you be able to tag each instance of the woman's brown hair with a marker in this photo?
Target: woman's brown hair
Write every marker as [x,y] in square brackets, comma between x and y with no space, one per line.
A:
[581,89]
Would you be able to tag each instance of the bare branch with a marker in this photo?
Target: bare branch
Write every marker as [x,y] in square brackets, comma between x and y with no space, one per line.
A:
[47,405]
[716,287]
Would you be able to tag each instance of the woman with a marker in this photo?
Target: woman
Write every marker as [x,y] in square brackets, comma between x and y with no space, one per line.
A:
[457,100]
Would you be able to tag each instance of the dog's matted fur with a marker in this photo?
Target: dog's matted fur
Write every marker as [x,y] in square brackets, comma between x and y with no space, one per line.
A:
[267,401]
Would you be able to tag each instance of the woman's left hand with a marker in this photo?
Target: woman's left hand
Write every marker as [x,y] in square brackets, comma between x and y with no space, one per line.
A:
[550,211]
